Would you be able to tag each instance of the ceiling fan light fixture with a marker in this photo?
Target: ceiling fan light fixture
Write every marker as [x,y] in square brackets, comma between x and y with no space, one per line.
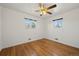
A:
[45,10]
[41,12]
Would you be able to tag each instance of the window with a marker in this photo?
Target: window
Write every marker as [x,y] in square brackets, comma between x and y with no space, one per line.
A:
[30,23]
[58,22]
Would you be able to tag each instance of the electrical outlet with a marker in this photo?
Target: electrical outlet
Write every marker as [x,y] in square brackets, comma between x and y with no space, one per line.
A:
[56,38]
[29,39]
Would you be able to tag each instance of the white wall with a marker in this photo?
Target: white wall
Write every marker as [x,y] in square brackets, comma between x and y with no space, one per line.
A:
[69,33]
[0,28]
[14,31]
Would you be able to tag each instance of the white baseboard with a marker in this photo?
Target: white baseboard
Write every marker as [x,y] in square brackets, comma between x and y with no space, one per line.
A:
[64,43]
[18,43]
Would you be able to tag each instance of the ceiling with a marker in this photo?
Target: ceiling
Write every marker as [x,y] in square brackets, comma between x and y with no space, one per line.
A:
[31,7]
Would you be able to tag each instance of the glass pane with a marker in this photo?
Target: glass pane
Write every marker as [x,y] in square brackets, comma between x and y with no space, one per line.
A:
[30,23]
[57,23]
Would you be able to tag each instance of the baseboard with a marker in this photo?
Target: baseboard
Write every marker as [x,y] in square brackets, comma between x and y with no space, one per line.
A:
[19,43]
[63,43]
[36,40]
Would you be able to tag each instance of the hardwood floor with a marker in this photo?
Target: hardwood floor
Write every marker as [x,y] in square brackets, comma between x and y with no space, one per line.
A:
[43,47]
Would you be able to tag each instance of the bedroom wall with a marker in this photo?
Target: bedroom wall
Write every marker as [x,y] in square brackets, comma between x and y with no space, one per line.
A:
[14,31]
[69,33]
[0,27]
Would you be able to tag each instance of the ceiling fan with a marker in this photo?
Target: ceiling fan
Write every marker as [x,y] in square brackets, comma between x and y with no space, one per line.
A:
[45,10]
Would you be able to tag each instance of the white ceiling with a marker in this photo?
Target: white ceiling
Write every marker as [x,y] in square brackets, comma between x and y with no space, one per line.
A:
[31,7]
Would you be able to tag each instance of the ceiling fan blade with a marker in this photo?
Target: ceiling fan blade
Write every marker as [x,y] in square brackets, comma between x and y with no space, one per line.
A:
[43,5]
[40,4]
[49,12]
[53,6]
